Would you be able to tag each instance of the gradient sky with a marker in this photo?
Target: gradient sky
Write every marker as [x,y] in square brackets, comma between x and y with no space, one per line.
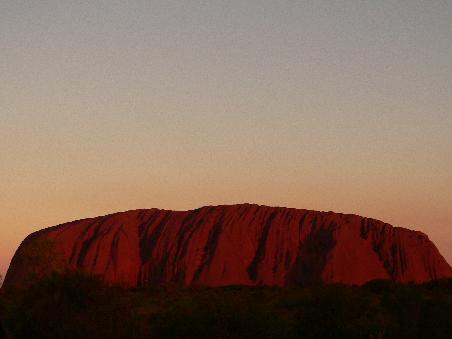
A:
[327,105]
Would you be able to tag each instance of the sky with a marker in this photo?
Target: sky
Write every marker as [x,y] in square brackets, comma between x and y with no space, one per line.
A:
[114,105]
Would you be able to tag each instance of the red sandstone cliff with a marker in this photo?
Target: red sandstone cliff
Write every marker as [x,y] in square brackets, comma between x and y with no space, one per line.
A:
[240,244]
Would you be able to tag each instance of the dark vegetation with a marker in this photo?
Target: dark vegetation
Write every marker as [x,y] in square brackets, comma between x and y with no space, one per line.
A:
[76,305]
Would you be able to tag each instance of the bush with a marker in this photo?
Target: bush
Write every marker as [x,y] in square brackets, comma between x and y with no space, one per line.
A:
[68,305]
[218,313]
[76,305]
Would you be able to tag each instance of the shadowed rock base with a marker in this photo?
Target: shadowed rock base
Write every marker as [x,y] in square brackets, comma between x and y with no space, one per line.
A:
[239,244]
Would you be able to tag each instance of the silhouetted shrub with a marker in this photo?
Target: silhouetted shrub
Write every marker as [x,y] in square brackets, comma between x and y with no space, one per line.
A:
[218,313]
[2,331]
[69,305]
[77,305]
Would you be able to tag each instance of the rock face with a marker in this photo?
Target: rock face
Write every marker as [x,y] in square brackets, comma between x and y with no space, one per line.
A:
[240,244]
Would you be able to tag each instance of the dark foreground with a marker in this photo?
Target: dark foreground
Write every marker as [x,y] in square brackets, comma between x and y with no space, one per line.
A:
[74,305]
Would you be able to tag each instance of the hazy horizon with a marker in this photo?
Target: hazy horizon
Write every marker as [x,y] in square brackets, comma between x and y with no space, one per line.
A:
[108,106]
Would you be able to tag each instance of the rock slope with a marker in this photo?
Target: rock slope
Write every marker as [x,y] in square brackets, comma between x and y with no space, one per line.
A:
[239,244]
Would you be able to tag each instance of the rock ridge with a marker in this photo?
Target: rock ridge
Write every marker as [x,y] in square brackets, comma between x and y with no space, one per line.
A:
[245,244]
